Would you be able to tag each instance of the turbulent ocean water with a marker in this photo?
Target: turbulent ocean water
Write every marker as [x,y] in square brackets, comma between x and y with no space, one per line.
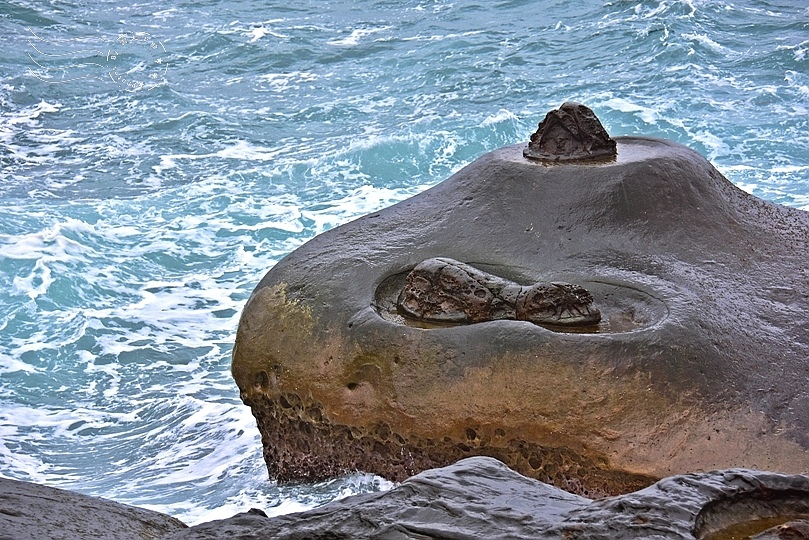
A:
[157,158]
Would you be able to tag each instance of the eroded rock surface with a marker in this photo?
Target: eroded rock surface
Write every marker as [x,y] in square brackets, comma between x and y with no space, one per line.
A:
[699,361]
[35,512]
[570,133]
[481,498]
[446,290]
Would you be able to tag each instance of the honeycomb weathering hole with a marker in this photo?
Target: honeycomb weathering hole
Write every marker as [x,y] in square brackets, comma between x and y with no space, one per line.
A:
[303,444]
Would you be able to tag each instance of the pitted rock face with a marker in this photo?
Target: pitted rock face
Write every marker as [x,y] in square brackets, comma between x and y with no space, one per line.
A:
[446,290]
[556,303]
[571,132]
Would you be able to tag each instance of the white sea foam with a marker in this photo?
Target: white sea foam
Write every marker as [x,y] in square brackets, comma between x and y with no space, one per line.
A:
[799,82]
[25,465]
[34,284]
[282,82]
[799,50]
[647,114]
[356,35]
[240,149]
[26,122]
[12,365]
[649,13]
[715,145]
[361,200]
[789,168]
[211,467]
[706,41]
[502,115]
[46,248]
[258,33]
[443,37]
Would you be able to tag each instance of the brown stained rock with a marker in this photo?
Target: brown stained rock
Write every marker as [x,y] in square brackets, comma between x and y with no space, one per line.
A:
[571,132]
[698,363]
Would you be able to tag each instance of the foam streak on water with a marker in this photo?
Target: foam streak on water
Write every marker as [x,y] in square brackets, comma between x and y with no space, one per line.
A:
[156,160]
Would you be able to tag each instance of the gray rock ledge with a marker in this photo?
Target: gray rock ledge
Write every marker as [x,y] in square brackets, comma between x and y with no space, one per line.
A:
[482,498]
[35,512]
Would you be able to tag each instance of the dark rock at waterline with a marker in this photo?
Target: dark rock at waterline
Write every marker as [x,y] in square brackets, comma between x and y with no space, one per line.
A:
[699,361]
[35,512]
[482,498]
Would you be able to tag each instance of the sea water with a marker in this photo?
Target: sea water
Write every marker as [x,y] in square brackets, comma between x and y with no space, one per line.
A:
[158,157]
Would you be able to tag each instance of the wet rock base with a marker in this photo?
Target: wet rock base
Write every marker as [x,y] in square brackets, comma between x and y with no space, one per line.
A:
[301,444]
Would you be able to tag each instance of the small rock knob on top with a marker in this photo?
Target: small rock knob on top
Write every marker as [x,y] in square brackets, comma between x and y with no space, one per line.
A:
[570,133]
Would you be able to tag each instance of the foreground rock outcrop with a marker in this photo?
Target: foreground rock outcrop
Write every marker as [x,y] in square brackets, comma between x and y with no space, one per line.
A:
[35,512]
[472,499]
[481,498]
[699,361]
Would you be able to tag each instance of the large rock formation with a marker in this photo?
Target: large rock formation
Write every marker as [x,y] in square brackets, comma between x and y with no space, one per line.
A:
[35,512]
[481,498]
[699,361]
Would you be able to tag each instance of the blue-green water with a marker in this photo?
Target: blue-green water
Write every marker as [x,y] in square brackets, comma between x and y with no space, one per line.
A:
[158,157]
